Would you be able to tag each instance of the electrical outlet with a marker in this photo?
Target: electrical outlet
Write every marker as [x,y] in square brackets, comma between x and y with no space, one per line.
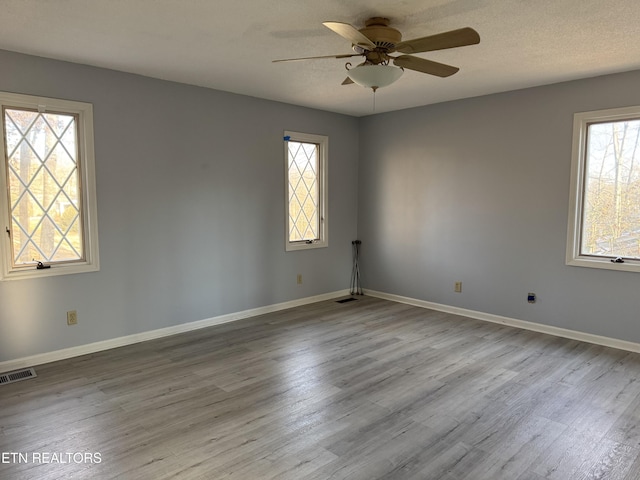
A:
[72,317]
[458,287]
[299,279]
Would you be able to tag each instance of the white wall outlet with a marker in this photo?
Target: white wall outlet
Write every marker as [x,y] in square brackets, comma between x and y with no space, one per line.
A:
[72,317]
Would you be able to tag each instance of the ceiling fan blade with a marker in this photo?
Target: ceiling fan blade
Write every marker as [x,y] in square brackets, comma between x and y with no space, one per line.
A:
[347,81]
[425,66]
[346,55]
[440,41]
[351,33]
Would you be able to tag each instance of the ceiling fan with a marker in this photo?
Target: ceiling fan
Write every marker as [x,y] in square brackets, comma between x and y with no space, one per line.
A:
[377,40]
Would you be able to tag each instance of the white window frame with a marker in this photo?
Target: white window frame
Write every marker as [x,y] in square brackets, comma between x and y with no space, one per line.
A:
[323,153]
[581,122]
[84,112]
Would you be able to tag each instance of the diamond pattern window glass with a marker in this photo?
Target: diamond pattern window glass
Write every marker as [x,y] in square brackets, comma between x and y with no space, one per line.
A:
[44,194]
[303,191]
[49,209]
[306,190]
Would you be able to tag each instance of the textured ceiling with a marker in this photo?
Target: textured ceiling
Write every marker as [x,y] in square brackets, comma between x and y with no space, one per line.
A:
[229,45]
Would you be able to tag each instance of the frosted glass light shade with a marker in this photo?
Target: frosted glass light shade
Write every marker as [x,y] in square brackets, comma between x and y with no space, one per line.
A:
[375,76]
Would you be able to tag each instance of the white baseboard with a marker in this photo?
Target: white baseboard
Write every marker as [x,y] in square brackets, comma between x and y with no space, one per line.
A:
[512,322]
[56,355]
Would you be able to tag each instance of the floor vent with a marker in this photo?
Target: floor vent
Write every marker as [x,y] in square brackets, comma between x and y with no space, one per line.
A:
[345,300]
[11,377]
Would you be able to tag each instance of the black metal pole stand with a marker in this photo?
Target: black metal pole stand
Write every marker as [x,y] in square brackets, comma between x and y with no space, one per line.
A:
[356,289]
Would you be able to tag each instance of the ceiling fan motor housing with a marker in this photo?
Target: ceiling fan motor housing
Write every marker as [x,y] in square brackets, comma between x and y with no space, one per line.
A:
[377,30]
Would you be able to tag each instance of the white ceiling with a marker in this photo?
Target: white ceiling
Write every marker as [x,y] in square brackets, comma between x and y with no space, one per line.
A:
[229,45]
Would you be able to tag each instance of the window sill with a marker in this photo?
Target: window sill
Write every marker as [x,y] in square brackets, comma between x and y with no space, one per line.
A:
[604,263]
[33,273]
[305,246]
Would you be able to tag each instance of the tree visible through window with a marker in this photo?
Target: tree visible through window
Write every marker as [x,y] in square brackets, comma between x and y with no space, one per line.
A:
[604,213]
[49,208]
[611,223]
[44,196]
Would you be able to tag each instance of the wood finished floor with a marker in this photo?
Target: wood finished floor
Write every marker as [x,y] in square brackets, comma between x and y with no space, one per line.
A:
[369,389]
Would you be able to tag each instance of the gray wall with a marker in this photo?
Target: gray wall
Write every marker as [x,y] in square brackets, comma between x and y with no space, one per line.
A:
[477,191]
[190,208]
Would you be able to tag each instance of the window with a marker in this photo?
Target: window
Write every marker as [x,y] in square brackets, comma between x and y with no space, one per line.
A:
[604,214]
[306,196]
[49,208]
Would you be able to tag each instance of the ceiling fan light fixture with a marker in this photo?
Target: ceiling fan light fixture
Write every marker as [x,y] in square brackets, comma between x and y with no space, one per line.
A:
[375,76]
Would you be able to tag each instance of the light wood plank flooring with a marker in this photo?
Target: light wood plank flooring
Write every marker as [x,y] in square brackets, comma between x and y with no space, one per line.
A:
[369,389]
